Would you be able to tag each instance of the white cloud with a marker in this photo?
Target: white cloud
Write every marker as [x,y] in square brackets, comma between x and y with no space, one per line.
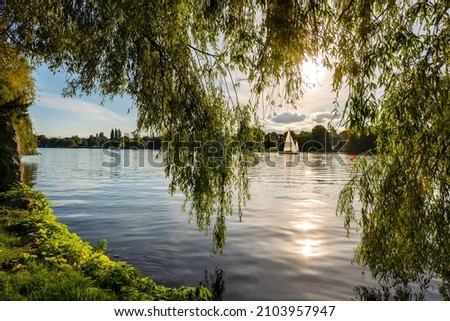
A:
[83,109]
[287,118]
[322,117]
[54,116]
[316,104]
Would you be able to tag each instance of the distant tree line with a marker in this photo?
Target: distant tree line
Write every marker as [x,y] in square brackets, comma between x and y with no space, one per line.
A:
[100,140]
[321,139]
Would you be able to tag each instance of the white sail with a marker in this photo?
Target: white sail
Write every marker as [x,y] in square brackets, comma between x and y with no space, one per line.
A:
[290,146]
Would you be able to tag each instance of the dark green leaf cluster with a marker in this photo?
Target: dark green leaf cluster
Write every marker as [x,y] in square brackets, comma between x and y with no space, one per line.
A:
[402,51]
[16,95]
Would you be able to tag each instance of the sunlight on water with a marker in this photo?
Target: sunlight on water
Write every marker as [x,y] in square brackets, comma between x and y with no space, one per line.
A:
[304,226]
[289,246]
[309,247]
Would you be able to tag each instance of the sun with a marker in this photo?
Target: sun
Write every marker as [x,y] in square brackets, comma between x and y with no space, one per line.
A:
[312,73]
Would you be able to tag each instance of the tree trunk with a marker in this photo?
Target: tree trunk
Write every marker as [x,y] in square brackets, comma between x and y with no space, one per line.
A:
[11,170]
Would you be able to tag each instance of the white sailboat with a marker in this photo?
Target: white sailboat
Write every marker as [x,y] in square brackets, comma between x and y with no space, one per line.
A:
[290,146]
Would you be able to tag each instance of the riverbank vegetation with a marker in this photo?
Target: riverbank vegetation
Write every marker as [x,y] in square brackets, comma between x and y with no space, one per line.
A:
[40,259]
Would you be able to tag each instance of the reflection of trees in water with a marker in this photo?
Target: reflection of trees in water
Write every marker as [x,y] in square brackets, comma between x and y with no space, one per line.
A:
[398,290]
[29,173]
[385,293]
[215,282]
[393,291]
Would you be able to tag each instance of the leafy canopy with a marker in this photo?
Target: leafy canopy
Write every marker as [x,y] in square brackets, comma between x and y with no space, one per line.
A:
[398,80]
[16,95]
[176,59]
[16,82]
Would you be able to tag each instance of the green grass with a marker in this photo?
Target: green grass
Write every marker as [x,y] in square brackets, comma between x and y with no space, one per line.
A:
[40,259]
[37,281]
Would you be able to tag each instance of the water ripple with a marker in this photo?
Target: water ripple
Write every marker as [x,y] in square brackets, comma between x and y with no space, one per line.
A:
[290,245]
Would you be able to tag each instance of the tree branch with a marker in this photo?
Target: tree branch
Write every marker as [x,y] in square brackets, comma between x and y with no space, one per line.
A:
[442,153]
[313,6]
[203,52]
[27,49]
[7,29]
[345,10]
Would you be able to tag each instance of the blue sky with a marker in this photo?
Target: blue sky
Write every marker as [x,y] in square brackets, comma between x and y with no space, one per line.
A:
[55,116]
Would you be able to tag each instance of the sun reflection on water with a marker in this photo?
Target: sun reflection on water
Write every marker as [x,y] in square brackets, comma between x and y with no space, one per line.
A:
[308,247]
[304,226]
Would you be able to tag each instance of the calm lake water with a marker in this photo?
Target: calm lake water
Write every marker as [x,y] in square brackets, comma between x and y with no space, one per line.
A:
[289,246]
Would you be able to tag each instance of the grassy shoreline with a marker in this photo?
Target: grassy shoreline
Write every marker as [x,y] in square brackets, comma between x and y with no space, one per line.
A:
[40,259]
